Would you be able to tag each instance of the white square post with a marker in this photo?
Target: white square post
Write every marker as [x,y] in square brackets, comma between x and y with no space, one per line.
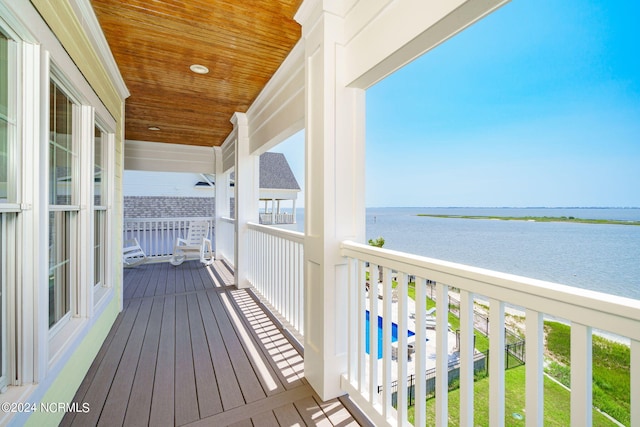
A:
[334,194]
[221,201]
[247,169]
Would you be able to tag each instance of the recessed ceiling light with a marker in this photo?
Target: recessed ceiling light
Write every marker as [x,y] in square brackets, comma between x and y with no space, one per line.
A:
[199,69]
[154,128]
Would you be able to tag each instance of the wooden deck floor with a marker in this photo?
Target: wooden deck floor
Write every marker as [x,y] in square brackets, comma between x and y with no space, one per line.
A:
[188,349]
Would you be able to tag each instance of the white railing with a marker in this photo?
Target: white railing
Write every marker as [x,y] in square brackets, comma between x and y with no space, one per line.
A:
[276,271]
[225,243]
[366,373]
[158,235]
[282,218]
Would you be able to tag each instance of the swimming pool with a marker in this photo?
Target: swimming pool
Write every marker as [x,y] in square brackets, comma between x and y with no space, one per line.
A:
[394,334]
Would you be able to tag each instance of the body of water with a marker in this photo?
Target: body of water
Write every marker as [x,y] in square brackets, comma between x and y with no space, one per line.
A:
[600,257]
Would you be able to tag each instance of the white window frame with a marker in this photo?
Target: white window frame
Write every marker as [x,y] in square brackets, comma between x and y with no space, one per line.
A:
[71,324]
[100,207]
[101,289]
[11,119]
[73,208]
[37,352]
[85,299]
[9,211]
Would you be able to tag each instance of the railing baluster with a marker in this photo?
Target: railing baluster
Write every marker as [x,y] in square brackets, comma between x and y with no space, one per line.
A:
[373,334]
[581,380]
[352,321]
[496,362]
[403,356]
[386,342]
[421,352]
[466,359]
[360,313]
[154,237]
[286,272]
[635,382]
[534,368]
[442,354]
[301,284]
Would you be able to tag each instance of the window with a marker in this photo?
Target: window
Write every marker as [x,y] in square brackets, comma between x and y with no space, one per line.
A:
[8,191]
[99,206]
[4,118]
[3,377]
[62,211]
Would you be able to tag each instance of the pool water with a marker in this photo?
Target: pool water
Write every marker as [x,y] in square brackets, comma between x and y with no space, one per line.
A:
[394,334]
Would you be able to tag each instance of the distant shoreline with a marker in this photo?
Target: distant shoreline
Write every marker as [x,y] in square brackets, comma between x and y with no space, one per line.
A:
[538,219]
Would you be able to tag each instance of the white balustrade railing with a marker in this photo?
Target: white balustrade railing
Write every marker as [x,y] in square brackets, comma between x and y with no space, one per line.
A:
[157,236]
[275,218]
[276,271]
[226,239]
[367,374]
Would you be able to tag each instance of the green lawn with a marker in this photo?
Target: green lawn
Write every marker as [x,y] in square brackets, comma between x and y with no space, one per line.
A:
[538,219]
[611,376]
[556,403]
[611,380]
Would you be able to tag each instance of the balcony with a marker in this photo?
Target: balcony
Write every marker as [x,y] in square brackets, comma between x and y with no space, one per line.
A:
[190,348]
[379,373]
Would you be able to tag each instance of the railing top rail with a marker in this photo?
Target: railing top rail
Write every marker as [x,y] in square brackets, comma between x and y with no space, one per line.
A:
[604,311]
[227,219]
[294,236]
[181,218]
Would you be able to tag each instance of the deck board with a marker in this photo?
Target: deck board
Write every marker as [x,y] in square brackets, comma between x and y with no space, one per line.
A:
[138,414]
[311,413]
[118,397]
[287,415]
[232,395]
[208,396]
[191,349]
[162,402]
[249,383]
[265,419]
[186,402]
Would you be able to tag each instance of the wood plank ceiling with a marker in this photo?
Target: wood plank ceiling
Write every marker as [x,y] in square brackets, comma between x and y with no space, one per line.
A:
[154,43]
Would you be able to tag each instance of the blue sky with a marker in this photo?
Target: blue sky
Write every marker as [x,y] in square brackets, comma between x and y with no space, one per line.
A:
[536,105]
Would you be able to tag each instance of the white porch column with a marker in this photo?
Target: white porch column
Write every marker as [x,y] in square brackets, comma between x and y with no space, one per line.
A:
[247,200]
[334,193]
[294,211]
[222,208]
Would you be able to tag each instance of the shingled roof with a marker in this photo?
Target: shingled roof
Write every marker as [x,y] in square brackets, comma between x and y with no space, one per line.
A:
[275,172]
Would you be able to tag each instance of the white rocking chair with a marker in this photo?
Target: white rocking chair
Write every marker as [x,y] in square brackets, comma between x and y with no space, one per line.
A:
[132,253]
[196,243]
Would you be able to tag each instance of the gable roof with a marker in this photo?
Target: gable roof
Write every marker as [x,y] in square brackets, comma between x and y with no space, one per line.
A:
[276,173]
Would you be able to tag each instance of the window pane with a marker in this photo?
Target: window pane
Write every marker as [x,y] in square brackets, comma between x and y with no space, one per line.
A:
[4,76]
[98,251]
[61,124]
[4,116]
[62,157]
[2,282]
[98,169]
[62,192]
[59,265]
[4,161]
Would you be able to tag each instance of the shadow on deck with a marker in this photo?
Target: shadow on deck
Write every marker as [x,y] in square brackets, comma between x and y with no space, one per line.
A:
[189,349]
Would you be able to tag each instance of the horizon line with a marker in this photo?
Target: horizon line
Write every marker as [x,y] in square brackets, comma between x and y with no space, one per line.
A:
[497,207]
